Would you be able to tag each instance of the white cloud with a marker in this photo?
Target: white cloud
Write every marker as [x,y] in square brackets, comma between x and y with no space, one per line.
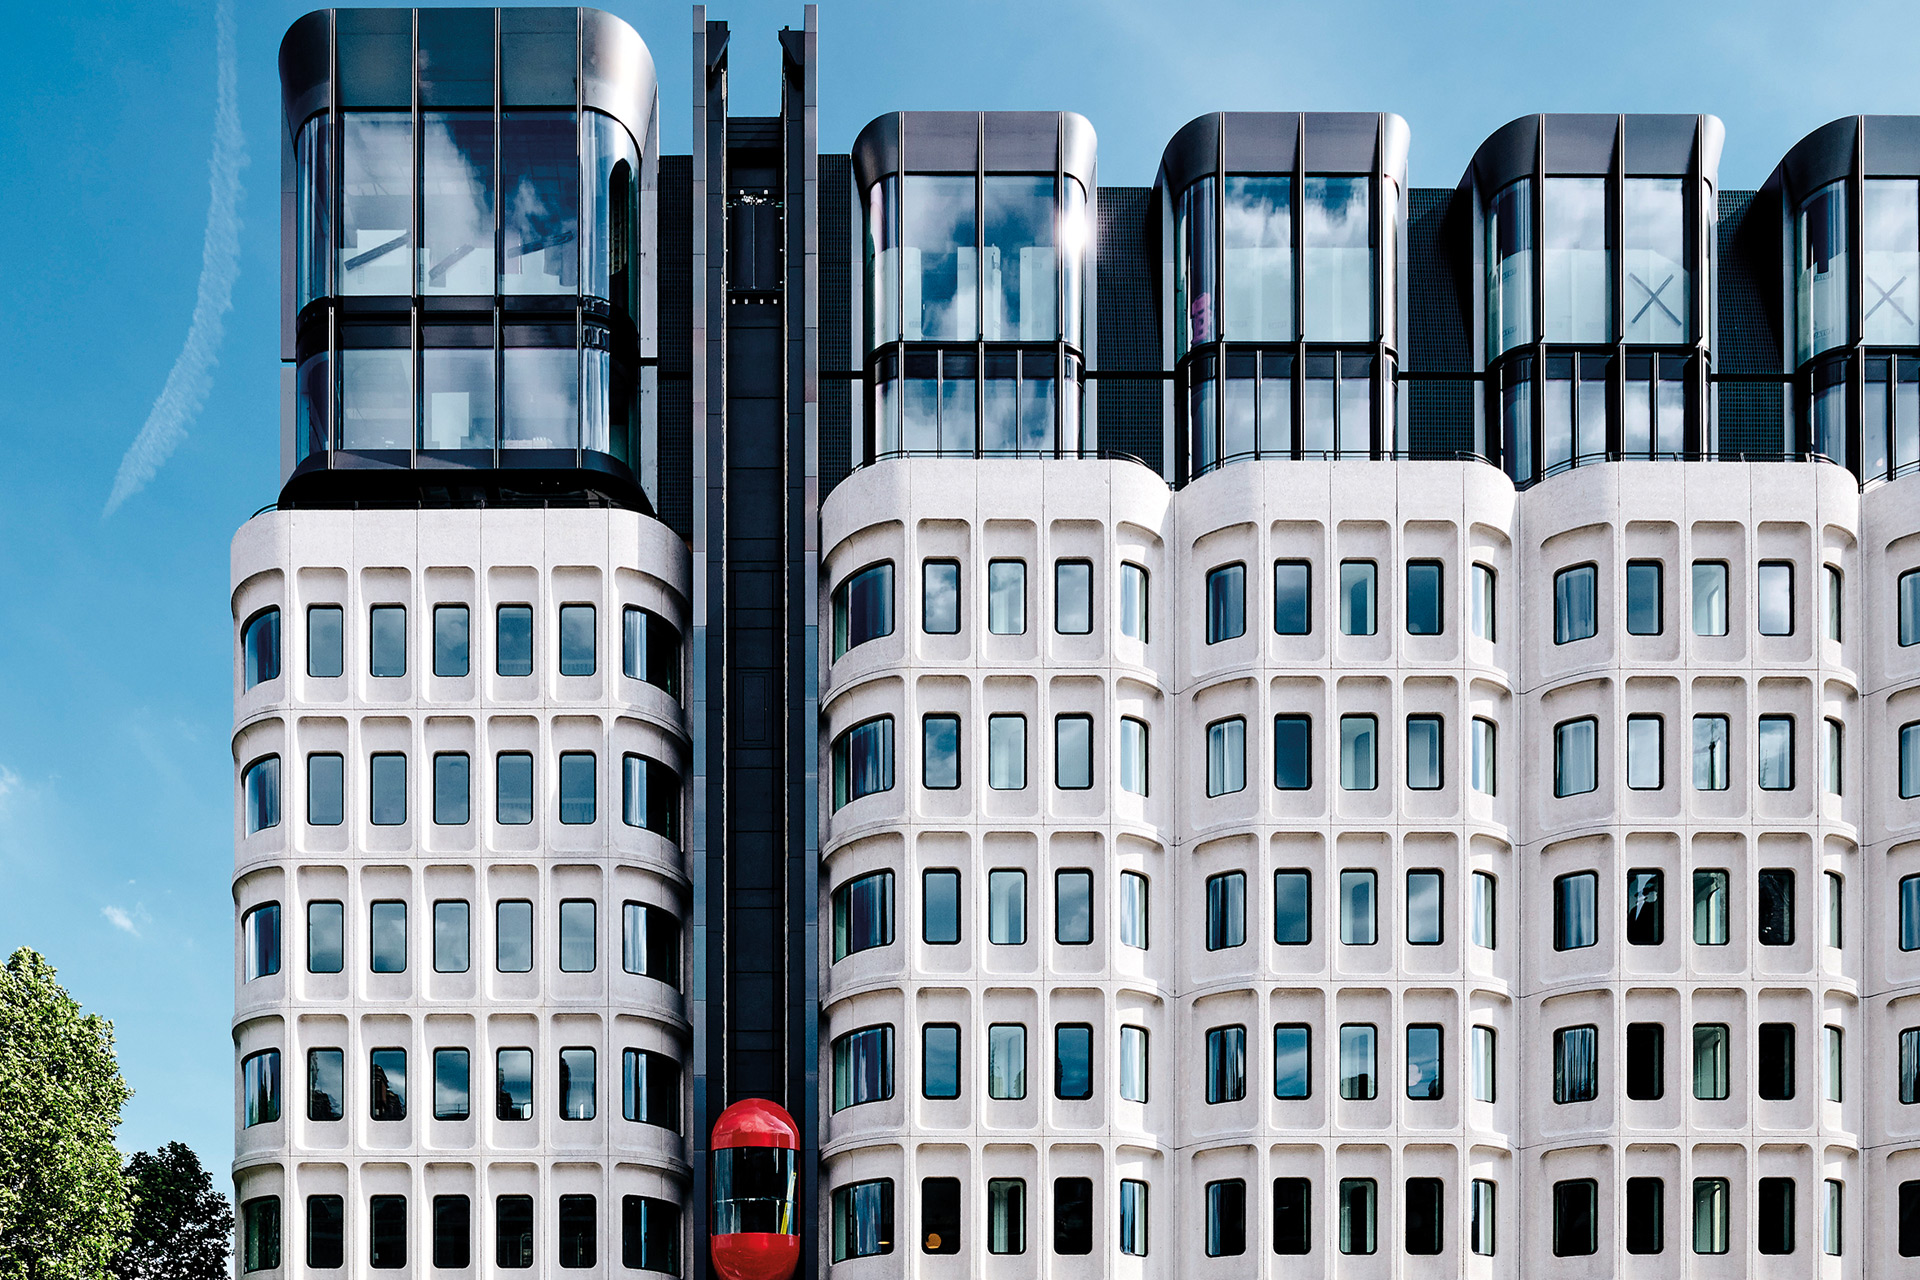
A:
[119,919]
[192,374]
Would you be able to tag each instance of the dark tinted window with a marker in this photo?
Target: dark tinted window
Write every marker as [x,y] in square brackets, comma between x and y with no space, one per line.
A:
[1646,1214]
[513,1232]
[940,1215]
[326,1231]
[577,1234]
[1646,1060]
[1424,1215]
[1574,1214]
[452,1231]
[387,1218]
[1292,1215]
[1073,1214]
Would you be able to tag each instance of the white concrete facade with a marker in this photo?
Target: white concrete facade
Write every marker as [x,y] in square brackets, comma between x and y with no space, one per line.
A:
[1523,1142]
[610,559]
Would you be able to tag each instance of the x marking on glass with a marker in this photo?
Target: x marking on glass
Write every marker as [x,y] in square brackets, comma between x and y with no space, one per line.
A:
[1886,299]
[1653,297]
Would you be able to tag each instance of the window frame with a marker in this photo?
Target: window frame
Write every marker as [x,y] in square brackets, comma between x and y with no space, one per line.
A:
[1564,622]
[1060,876]
[500,649]
[1440,907]
[995,746]
[1439,595]
[1226,1059]
[573,607]
[1063,721]
[959,906]
[841,1058]
[1726,603]
[1060,594]
[1306,602]
[1485,623]
[992,628]
[1306,913]
[1438,1089]
[373,633]
[840,906]
[1439,731]
[841,754]
[340,636]
[927,1056]
[1570,1083]
[1564,927]
[248,679]
[1021,940]
[1305,1031]
[842,614]
[1659,723]
[1372,880]
[1759,593]
[959,764]
[1231,609]
[1226,728]
[1143,594]
[927,565]
[1059,1063]
[1560,742]
[1224,879]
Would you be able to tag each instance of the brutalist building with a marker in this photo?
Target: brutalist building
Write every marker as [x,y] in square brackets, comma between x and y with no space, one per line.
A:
[911,713]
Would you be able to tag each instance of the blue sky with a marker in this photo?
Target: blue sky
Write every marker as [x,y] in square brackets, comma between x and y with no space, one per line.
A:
[115,845]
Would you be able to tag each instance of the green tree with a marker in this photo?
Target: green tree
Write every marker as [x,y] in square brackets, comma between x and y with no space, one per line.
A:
[181,1225]
[63,1201]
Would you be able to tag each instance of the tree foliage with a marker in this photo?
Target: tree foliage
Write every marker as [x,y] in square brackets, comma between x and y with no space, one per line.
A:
[181,1225]
[63,1203]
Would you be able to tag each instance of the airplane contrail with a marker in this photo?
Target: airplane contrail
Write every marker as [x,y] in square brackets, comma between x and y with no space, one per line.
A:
[192,373]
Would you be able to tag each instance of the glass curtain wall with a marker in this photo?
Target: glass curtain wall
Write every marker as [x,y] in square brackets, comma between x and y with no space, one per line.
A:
[1590,377]
[974,314]
[1889,338]
[1251,385]
[515,211]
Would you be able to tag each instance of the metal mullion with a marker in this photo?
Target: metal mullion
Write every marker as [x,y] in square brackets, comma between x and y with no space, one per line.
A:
[1536,393]
[1216,430]
[980,295]
[334,141]
[1298,233]
[1856,301]
[1613,438]
[579,247]
[416,239]
[1060,288]
[1376,411]
[499,255]
[1696,435]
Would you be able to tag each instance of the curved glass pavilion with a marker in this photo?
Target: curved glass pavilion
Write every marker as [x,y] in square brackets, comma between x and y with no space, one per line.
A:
[1594,250]
[469,249]
[1849,196]
[976,285]
[1286,236]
